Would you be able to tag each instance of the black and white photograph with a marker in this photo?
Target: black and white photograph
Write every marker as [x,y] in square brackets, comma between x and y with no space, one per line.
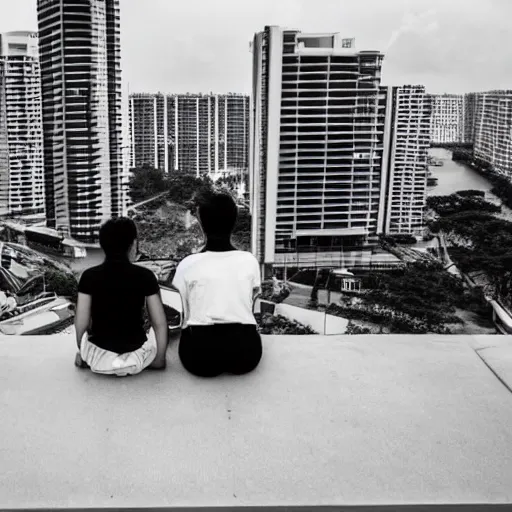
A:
[256,255]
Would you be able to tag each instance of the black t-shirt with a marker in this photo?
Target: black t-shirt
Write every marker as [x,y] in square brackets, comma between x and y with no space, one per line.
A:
[118,290]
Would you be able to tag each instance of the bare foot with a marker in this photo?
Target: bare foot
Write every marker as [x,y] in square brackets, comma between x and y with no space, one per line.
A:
[79,362]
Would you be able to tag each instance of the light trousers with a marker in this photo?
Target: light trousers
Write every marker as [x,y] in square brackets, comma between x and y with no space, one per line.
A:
[109,363]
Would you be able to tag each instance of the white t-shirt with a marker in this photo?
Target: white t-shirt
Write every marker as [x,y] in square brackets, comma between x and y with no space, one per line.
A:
[217,287]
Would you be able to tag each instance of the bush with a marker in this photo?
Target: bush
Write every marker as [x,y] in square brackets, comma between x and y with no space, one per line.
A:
[402,238]
[471,193]
[62,283]
[270,324]
[397,322]
[353,328]
[457,203]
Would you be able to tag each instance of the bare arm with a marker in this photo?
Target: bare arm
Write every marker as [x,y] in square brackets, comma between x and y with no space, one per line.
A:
[82,316]
[256,283]
[159,324]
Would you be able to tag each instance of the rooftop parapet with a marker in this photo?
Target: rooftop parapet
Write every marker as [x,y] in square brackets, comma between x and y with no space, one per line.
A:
[359,420]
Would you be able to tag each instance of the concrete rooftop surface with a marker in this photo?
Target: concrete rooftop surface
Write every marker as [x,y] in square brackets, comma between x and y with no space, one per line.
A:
[324,420]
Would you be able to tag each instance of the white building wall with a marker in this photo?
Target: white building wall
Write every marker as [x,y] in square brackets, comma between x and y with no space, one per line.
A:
[21,129]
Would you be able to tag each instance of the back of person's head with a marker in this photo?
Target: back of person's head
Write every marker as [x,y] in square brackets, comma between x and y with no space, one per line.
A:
[218,213]
[117,236]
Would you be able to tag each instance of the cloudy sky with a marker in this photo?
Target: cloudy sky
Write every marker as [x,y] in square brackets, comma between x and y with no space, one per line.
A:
[203,45]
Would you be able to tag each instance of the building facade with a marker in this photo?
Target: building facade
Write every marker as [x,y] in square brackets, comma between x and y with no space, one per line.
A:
[85,180]
[21,127]
[469,117]
[493,130]
[409,111]
[448,113]
[336,159]
[317,154]
[191,133]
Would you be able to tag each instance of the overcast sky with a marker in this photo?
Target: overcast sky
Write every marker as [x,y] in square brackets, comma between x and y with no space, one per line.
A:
[203,45]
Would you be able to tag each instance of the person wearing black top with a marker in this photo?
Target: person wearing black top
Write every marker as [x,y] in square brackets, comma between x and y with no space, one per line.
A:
[110,308]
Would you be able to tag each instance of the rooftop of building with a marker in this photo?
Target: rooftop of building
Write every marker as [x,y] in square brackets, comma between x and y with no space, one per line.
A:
[151,95]
[324,420]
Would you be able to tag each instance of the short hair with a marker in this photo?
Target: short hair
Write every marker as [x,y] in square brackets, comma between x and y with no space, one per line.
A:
[218,212]
[117,235]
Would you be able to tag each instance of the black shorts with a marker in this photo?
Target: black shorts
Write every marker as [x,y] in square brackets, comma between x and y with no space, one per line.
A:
[210,350]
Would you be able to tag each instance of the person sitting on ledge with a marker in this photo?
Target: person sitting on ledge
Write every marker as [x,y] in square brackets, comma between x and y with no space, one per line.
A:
[110,309]
[218,287]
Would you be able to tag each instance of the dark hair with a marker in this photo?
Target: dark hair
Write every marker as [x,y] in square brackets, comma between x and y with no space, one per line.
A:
[218,213]
[116,236]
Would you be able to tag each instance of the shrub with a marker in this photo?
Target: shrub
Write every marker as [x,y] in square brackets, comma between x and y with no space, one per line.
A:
[353,328]
[402,238]
[62,283]
[470,193]
[270,324]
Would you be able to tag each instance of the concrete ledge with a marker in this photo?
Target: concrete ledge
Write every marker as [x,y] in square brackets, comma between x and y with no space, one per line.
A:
[497,355]
[480,507]
[340,421]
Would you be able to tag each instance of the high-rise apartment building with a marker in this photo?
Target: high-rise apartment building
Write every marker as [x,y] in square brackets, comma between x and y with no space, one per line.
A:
[447,118]
[469,117]
[82,114]
[192,133]
[409,113]
[317,149]
[21,129]
[335,158]
[493,130]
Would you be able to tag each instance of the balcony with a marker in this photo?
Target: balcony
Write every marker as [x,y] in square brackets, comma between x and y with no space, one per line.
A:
[324,420]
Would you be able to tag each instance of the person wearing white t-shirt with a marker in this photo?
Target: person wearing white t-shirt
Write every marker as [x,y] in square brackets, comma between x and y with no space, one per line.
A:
[218,287]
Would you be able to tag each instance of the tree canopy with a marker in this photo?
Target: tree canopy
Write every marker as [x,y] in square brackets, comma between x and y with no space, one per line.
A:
[146,182]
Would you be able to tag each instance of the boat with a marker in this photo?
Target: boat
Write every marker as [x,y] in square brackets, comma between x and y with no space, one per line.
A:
[436,162]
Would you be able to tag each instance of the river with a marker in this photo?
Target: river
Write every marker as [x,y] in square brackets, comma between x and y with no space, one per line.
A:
[455,176]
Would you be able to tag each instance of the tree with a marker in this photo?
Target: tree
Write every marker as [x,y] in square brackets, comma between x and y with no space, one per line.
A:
[146,182]
[184,189]
[457,203]
[61,283]
[242,232]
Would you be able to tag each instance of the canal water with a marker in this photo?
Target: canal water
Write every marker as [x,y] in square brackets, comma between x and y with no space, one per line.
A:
[455,176]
